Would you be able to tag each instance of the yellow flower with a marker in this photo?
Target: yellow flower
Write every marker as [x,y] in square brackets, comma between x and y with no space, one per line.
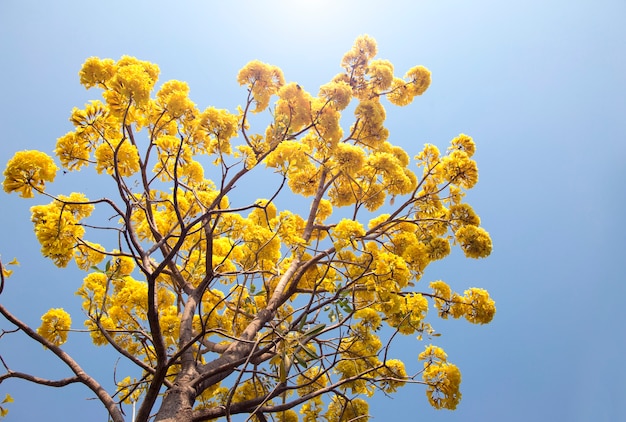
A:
[355,61]
[349,158]
[54,326]
[479,308]
[295,105]
[324,210]
[444,381]
[463,214]
[429,155]
[249,156]
[312,409]
[311,380]
[96,72]
[465,143]
[400,94]
[28,170]
[475,241]
[263,80]
[57,228]
[433,354]
[133,80]
[381,74]
[220,126]
[338,93]
[290,228]
[369,318]
[76,203]
[342,410]
[459,169]
[88,254]
[420,79]
[370,111]
[93,290]
[128,390]
[346,232]
[393,374]
[289,154]
[437,248]
[173,97]
[123,265]
[73,151]
[121,155]
[6,272]
[286,416]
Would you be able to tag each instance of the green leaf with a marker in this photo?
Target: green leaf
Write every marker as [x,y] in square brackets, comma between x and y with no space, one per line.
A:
[315,330]
[309,352]
[301,361]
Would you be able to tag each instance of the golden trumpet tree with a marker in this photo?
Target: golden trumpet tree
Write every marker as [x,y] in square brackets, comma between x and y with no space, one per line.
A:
[224,303]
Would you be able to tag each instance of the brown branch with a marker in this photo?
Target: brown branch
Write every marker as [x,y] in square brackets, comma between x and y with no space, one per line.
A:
[83,377]
[42,381]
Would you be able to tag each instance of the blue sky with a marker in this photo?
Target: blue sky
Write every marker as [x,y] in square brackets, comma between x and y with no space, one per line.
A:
[540,85]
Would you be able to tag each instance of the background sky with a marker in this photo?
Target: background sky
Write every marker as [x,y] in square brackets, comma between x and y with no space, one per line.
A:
[540,85]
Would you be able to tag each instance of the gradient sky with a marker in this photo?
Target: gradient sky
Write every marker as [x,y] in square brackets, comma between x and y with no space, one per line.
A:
[540,85]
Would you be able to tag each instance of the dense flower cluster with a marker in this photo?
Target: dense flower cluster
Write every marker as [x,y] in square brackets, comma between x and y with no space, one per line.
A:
[292,304]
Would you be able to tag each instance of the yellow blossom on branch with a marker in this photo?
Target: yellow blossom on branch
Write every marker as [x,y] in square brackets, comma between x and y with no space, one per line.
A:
[55,325]
[28,171]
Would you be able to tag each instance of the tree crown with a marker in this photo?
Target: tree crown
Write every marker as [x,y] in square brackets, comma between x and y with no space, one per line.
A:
[225,303]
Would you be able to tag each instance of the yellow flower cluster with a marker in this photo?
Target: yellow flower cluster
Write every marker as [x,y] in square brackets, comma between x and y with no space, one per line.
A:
[294,105]
[129,391]
[359,356]
[347,232]
[459,169]
[475,305]
[88,254]
[55,325]
[130,84]
[96,72]
[393,376]
[57,226]
[312,409]
[342,410]
[213,131]
[173,98]
[475,241]
[403,92]
[117,304]
[311,380]
[410,313]
[263,81]
[338,93]
[28,170]
[117,157]
[442,378]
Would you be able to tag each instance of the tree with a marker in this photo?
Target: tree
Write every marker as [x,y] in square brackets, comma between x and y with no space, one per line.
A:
[225,304]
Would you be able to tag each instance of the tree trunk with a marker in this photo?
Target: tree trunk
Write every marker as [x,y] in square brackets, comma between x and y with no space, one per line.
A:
[177,405]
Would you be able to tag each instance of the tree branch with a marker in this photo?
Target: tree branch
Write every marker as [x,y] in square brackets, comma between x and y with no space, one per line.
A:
[81,375]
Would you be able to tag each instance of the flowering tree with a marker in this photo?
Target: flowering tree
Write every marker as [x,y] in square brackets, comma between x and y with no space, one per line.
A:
[225,304]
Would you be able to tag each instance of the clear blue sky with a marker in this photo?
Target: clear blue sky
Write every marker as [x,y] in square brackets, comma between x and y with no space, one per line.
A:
[540,85]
